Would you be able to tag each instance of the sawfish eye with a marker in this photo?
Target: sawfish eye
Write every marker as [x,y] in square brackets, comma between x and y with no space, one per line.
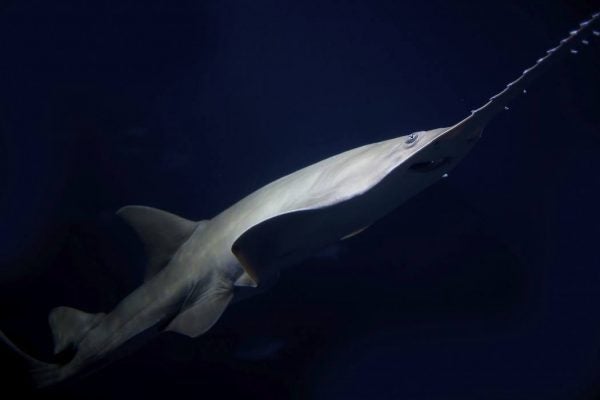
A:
[430,165]
[412,138]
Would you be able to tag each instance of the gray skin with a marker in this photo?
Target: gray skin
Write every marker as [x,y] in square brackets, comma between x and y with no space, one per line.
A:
[196,269]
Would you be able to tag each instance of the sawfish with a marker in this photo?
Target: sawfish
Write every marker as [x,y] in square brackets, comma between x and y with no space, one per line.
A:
[196,269]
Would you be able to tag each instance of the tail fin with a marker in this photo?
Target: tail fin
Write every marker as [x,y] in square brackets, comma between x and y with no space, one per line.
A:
[42,374]
[69,326]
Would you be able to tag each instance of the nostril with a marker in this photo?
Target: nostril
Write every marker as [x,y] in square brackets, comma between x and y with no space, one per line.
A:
[429,165]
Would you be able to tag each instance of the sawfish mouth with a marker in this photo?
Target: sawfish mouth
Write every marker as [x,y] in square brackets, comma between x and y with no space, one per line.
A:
[429,165]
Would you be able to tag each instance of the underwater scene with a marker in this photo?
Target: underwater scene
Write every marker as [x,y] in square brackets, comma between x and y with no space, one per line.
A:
[300,199]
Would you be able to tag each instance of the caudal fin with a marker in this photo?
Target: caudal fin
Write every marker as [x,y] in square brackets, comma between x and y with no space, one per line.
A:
[42,374]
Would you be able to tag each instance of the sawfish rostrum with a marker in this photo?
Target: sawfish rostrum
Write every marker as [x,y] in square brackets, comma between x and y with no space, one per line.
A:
[197,268]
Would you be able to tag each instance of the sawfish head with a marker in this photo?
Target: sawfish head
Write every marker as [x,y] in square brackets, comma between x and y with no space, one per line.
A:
[361,186]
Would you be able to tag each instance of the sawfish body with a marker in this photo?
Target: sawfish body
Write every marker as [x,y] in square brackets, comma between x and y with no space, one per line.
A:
[196,269]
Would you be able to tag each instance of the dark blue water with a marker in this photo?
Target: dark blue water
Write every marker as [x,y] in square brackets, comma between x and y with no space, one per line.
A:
[485,286]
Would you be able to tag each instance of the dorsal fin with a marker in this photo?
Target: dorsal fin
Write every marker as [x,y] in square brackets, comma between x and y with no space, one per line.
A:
[69,326]
[161,232]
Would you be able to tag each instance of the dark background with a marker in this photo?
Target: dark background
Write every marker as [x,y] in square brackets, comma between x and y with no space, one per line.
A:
[485,286]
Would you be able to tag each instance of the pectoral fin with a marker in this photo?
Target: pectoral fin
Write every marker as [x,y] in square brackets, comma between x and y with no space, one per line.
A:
[202,315]
[288,238]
